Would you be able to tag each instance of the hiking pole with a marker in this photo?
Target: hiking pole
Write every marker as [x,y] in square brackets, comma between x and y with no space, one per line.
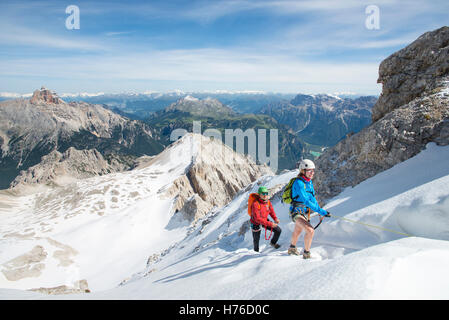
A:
[371,225]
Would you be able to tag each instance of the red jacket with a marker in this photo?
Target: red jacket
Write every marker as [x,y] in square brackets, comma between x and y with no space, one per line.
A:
[260,212]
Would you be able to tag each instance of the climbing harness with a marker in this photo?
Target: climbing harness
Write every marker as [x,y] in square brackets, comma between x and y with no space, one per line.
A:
[371,225]
[305,214]
[258,230]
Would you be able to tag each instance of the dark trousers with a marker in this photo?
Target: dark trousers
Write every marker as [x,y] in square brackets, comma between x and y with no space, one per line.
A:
[256,230]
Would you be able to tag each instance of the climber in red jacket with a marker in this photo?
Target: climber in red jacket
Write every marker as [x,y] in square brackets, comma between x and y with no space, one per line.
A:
[260,209]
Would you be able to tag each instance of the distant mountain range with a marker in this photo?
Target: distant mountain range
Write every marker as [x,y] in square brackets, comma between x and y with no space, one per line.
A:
[33,128]
[212,114]
[142,105]
[323,119]
[115,129]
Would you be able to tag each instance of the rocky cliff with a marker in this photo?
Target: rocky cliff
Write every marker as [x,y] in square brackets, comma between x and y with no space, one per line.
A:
[61,168]
[45,96]
[215,175]
[413,72]
[412,111]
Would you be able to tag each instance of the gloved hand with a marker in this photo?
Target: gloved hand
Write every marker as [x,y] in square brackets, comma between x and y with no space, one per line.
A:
[328,215]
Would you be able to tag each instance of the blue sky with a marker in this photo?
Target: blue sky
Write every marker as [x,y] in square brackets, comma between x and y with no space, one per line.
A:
[313,46]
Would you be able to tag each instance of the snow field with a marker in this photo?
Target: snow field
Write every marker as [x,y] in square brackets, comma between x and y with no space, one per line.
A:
[215,260]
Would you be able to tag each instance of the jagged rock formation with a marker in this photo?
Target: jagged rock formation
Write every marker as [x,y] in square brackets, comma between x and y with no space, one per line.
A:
[413,71]
[31,129]
[59,168]
[213,178]
[412,111]
[46,96]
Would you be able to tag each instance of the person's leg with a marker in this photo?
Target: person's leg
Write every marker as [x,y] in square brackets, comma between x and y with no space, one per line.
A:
[256,239]
[296,232]
[277,232]
[308,237]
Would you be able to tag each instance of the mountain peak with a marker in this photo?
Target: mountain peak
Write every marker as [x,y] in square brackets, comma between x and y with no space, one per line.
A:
[45,95]
[190,98]
[203,107]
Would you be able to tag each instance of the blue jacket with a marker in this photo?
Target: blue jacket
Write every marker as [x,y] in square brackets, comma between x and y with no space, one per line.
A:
[303,192]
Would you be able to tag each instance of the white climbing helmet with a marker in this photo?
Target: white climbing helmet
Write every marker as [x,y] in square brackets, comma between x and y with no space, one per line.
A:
[306,164]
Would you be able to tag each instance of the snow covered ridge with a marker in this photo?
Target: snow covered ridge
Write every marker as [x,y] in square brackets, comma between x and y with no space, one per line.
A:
[13,95]
[55,236]
[158,256]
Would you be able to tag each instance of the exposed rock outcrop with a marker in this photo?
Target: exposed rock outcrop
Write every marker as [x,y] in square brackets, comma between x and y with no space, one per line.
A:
[412,111]
[57,167]
[80,286]
[413,72]
[26,265]
[214,177]
[46,96]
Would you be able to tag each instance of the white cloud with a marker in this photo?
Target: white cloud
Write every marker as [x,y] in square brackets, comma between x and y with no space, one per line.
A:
[245,70]
[19,35]
[117,33]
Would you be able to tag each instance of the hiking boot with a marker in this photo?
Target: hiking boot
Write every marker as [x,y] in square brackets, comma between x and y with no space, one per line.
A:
[275,245]
[306,254]
[293,251]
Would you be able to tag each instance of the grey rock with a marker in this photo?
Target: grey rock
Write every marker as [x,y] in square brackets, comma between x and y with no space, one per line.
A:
[217,173]
[60,168]
[413,72]
[412,111]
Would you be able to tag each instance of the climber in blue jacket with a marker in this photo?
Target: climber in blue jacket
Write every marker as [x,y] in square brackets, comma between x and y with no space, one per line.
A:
[303,202]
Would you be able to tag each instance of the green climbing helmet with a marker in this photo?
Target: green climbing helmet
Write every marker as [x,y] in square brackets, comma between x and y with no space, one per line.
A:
[262,190]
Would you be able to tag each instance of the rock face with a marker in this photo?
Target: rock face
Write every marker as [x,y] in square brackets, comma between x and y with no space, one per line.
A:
[80,286]
[413,71]
[412,111]
[57,167]
[46,96]
[27,265]
[213,178]
[31,129]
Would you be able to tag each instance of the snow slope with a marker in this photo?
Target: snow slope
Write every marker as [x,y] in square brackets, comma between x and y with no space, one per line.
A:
[215,260]
[100,229]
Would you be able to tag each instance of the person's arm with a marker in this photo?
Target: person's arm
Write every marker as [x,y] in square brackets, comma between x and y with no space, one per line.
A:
[273,214]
